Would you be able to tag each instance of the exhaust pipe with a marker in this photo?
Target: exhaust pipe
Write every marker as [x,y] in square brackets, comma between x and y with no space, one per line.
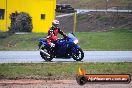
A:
[45,53]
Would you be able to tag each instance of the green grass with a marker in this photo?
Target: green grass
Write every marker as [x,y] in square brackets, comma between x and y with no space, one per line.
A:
[60,70]
[116,39]
[21,42]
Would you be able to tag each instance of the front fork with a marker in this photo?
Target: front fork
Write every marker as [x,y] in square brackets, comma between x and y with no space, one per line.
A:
[74,49]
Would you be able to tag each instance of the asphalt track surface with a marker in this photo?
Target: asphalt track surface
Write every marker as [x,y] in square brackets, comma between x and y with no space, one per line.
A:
[89,56]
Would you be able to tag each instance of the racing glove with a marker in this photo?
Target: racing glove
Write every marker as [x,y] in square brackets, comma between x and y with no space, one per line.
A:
[52,45]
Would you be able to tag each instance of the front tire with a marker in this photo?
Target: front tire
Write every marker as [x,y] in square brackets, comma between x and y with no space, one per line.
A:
[78,55]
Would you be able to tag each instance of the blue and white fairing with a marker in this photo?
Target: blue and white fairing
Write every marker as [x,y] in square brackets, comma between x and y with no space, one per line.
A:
[72,38]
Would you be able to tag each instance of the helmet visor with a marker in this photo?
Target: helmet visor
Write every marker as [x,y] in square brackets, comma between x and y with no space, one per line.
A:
[56,25]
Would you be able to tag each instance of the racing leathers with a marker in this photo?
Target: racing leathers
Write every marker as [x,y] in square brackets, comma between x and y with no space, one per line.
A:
[52,35]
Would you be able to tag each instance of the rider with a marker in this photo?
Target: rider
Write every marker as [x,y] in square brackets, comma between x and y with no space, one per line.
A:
[52,33]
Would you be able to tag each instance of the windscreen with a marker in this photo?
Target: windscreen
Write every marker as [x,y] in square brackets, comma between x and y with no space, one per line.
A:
[70,35]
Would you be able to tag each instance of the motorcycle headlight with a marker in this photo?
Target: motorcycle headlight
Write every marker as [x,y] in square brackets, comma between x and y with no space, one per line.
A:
[75,41]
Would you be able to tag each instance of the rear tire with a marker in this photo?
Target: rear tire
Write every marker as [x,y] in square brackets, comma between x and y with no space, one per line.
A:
[79,55]
[45,57]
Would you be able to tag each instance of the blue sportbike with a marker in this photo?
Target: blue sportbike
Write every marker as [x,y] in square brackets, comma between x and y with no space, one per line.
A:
[64,48]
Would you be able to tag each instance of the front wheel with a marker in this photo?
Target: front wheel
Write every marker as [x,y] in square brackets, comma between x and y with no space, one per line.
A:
[78,55]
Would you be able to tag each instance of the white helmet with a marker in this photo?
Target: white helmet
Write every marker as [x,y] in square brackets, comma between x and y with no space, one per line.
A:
[55,23]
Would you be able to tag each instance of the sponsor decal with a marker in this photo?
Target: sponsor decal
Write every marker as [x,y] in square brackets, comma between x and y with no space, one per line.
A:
[83,78]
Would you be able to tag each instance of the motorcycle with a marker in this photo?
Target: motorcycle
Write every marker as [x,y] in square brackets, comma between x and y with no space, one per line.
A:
[64,48]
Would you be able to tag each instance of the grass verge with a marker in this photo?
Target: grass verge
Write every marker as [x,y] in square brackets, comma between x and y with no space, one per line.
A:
[116,39]
[119,39]
[59,70]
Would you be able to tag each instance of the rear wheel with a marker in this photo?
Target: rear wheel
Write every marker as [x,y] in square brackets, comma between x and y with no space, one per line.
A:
[44,56]
[78,55]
